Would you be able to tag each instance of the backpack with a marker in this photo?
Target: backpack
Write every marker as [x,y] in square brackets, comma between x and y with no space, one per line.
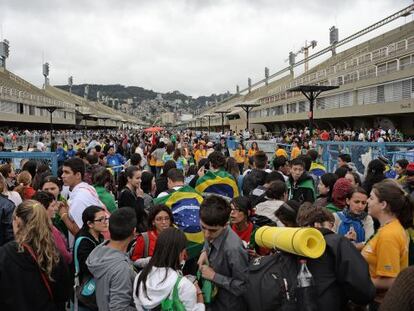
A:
[84,289]
[347,223]
[272,283]
[145,236]
[173,302]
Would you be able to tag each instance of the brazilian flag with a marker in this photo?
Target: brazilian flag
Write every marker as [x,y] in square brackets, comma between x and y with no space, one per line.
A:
[185,206]
[317,169]
[220,182]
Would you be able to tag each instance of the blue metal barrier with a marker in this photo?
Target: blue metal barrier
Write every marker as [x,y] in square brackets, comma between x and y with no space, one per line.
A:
[15,157]
[363,152]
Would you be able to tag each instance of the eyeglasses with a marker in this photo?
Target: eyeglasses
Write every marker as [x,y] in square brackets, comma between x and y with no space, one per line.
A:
[101,220]
[161,219]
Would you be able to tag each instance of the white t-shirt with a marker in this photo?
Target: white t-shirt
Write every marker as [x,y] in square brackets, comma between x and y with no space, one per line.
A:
[82,196]
[40,145]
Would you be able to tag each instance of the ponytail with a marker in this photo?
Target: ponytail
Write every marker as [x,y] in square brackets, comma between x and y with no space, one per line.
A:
[399,203]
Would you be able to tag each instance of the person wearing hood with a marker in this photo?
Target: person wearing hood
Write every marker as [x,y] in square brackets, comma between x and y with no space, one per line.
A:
[110,264]
[340,192]
[300,184]
[157,282]
[276,194]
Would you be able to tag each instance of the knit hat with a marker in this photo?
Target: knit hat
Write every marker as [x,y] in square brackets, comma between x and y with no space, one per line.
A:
[410,169]
[341,189]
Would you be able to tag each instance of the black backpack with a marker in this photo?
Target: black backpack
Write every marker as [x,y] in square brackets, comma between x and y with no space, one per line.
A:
[272,283]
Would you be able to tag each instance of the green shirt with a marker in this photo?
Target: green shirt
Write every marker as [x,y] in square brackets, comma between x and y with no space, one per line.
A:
[106,198]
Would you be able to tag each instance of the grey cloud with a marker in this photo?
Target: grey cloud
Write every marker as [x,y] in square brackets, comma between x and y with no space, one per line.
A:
[195,46]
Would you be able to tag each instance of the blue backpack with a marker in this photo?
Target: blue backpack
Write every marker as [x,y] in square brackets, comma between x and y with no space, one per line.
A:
[347,223]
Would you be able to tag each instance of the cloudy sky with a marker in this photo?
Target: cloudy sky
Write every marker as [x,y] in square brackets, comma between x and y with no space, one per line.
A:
[198,47]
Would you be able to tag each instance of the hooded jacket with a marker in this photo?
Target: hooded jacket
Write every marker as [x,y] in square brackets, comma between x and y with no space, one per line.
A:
[303,190]
[114,277]
[21,284]
[268,209]
[159,288]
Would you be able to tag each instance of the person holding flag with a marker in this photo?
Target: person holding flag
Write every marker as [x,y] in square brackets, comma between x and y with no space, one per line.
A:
[217,180]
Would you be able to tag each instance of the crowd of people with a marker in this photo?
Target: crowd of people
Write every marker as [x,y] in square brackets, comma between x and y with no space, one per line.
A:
[136,220]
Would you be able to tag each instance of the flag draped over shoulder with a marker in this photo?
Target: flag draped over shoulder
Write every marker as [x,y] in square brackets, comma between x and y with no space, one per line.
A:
[317,169]
[185,206]
[220,182]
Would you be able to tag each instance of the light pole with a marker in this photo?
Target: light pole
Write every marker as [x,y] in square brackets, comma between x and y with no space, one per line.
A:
[222,113]
[311,92]
[247,107]
[209,116]
[50,109]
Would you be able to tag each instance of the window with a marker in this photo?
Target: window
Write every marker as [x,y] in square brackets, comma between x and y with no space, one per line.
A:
[20,108]
[32,111]
[380,94]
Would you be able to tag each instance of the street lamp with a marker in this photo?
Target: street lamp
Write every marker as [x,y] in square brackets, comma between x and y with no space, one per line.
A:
[247,107]
[50,109]
[209,116]
[311,92]
[222,112]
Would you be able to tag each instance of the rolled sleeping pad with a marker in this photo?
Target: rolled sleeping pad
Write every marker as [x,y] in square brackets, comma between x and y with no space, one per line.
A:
[306,242]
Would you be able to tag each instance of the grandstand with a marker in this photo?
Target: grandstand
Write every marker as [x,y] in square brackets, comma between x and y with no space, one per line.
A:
[376,88]
[23,104]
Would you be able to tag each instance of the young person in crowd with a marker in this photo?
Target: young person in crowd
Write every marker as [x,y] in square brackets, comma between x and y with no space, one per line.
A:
[110,265]
[33,275]
[160,218]
[341,273]
[241,209]
[223,260]
[131,195]
[162,276]
[387,252]
[325,188]
[301,186]
[353,221]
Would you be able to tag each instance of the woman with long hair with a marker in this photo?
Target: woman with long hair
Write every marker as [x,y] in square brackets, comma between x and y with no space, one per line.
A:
[387,252]
[95,222]
[131,194]
[240,157]
[375,174]
[159,219]
[325,188]
[161,181]
[180,160]
[162,275]
[48,201]
[33,276]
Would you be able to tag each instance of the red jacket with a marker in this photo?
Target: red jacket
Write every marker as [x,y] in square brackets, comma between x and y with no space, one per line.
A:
[139,245]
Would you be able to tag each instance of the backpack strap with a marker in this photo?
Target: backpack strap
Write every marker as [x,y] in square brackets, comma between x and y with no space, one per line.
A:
[175,290]
[75,252]
[145,236]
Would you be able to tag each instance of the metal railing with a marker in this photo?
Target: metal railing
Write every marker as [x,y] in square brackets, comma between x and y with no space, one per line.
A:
[16,158]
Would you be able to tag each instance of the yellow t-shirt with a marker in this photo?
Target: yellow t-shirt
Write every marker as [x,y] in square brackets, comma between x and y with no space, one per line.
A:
[387,252]
[294,153]
[199,154]
[240,155]
[251,152]
[281,153]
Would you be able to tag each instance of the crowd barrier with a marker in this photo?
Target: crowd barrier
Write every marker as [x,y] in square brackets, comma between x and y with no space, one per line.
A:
[16,158]
[25,140]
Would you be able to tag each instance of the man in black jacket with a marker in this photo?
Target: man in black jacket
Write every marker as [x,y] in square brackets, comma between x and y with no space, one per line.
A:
[341,274]
[301,186]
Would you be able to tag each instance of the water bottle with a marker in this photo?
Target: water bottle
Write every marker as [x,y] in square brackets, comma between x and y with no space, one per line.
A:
[306,295]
